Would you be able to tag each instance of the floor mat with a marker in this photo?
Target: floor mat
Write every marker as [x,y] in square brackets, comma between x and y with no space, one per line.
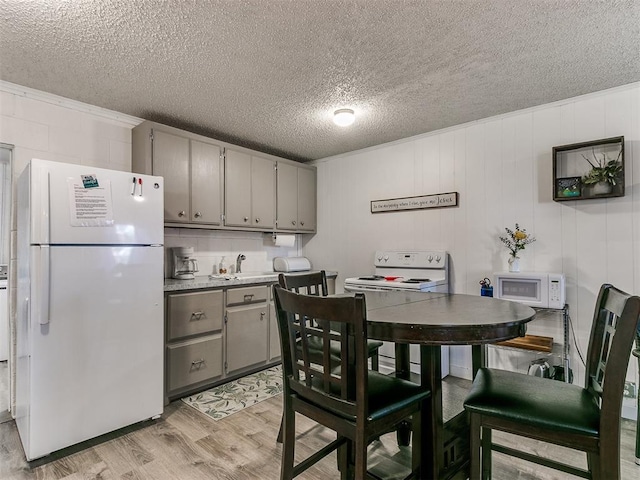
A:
[223,400]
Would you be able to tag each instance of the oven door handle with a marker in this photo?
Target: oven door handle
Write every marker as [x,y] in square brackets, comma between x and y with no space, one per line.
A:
[368,288]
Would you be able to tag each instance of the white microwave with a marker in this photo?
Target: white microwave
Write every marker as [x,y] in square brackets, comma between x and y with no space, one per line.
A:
[543,290]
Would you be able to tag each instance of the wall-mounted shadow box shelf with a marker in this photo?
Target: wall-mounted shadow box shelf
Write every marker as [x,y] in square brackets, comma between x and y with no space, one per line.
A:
[589,170]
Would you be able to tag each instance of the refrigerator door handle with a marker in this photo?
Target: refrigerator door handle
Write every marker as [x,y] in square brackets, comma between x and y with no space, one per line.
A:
[45,263]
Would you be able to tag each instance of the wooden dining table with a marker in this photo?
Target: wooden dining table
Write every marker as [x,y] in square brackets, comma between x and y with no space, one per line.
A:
[432,320]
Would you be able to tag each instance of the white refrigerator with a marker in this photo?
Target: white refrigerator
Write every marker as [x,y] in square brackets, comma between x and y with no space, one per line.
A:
[89,303]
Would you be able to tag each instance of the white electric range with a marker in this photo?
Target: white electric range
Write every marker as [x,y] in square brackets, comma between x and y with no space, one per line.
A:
[407,270]
[423,271]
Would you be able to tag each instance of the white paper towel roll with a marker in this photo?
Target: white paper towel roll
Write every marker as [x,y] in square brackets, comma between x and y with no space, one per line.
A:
[291,264]
[284,240]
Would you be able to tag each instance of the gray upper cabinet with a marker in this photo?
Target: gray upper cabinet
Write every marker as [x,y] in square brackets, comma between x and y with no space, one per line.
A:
[210,184]
[296,197]
[250,190]
[206,183]
[192,171]
[170,155]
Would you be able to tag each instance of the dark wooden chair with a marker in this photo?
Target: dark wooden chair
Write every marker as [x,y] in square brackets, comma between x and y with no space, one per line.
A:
[636,353]
[342,394]
[316,284]
[585,419]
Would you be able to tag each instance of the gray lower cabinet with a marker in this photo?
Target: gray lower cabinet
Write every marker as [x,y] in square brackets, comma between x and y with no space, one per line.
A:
[192,314]
[247,327]
[194,340]
[193,362]
[213,336]
[274,335]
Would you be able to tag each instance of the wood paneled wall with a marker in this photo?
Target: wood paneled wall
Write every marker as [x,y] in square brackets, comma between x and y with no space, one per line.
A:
[502,168]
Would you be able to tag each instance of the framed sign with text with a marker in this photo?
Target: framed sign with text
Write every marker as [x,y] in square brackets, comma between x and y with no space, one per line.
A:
[439,200]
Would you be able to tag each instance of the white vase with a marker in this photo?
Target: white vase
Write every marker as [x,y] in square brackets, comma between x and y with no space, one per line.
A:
[514,264]
[601,188]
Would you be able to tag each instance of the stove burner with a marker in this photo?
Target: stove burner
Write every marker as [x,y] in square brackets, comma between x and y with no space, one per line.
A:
[416,280]
[372,277]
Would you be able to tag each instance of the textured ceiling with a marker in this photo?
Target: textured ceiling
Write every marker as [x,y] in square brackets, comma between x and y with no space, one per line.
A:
[267,74]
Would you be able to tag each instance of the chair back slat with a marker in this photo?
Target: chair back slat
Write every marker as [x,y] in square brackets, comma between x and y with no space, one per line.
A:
[317,375]
[609,330]
[314,283]
[612,333]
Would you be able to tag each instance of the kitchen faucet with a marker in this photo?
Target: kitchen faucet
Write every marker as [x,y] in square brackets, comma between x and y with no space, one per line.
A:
[239,260]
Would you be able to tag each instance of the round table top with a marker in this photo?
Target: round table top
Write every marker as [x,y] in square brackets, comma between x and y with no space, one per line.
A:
[443,318]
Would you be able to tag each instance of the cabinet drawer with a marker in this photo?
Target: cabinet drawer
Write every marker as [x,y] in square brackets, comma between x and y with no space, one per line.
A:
[239,296]
[193,313]
[194,361]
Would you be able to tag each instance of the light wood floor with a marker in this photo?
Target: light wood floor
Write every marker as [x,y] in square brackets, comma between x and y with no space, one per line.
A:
[185,444]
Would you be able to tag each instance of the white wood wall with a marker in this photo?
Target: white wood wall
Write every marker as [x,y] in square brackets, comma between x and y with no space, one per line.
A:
[502,168]
[211,246]
[40,125]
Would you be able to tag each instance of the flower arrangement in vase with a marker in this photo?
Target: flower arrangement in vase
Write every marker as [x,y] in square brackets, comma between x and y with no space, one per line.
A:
[516,240]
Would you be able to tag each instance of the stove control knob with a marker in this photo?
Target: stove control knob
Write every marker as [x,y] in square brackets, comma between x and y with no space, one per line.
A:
[438,258]
[379,258]
[386,258]
[430,258]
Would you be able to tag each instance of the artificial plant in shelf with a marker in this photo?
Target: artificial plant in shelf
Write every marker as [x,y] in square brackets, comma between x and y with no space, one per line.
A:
[604,174]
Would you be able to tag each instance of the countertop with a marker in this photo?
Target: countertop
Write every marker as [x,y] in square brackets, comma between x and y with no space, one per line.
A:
[220,281]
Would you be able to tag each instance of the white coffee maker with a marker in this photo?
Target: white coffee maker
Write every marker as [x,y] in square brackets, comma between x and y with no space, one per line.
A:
[184,265]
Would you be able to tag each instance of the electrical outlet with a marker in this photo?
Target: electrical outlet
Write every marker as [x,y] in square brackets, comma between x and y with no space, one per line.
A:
[629,389]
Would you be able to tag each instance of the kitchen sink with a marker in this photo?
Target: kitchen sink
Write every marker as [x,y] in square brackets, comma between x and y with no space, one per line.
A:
[253,274]
[231,276]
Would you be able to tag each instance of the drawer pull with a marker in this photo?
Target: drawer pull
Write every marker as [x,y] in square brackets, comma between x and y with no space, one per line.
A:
[248,297]
[197,364]
[197,315]
[262,314]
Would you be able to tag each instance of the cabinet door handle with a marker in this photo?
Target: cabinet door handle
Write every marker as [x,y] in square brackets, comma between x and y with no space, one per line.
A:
[262,314]
[246,219]
[182,213]
[197,363]
[197,315]
[302,223]
[197,215]
[257,220]
[293,222]
[248,297]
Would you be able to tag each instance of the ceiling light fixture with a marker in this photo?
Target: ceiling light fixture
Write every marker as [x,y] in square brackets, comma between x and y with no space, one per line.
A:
[344,117]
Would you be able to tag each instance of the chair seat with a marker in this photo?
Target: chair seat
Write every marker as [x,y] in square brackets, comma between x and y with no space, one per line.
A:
[388,394]
[535,401]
